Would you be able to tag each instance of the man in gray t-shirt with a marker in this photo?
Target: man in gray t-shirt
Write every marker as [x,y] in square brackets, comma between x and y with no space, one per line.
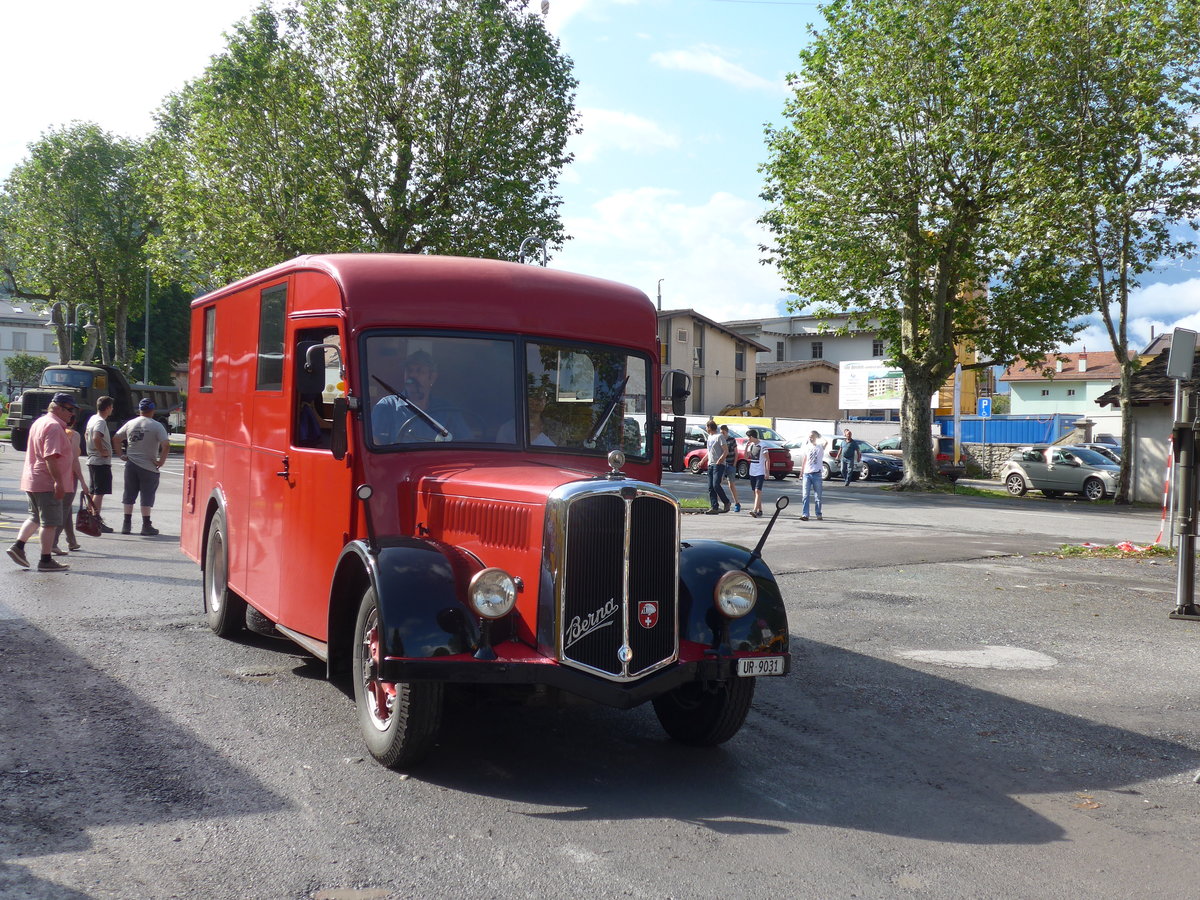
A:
[98,444]
[144,445]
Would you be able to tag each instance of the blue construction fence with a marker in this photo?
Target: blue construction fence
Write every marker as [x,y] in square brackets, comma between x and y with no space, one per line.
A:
[1009,429]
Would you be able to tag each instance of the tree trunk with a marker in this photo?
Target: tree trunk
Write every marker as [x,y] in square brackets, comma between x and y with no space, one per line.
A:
[916,428]
[1124,487]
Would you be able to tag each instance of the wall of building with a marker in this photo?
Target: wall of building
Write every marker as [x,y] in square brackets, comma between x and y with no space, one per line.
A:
[716,382]
[1043,397]
[791,394]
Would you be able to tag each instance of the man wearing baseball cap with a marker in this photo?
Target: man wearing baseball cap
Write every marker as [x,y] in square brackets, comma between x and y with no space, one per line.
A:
[44,480]
[143,443]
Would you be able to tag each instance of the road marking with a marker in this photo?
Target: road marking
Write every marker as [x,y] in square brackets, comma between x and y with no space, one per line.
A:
[990,657]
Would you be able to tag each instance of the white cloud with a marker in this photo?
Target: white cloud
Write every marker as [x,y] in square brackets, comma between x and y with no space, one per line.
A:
[709,60]
[1156,308]
[706,255]
[605,129]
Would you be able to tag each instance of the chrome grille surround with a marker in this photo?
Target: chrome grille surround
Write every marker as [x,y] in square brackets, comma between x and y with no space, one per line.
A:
[610,547]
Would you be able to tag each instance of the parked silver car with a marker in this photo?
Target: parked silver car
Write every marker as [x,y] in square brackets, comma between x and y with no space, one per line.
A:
[1060,470]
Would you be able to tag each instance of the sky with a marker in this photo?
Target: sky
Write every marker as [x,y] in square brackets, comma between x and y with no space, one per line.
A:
[674,97]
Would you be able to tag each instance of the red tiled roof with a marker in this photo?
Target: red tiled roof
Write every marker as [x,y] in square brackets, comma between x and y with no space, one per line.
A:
[1102,365]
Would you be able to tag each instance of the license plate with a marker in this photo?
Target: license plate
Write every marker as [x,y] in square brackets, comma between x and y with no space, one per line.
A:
[753,666]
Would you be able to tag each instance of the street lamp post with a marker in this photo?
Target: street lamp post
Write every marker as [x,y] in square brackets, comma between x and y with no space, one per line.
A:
[69,320]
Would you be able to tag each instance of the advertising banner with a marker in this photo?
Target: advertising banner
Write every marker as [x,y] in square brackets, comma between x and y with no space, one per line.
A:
[869,384]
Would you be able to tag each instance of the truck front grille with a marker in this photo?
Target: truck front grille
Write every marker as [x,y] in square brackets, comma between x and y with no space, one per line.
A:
[618,581]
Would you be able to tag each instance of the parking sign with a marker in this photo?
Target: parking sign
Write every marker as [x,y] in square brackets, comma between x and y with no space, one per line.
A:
[984,407]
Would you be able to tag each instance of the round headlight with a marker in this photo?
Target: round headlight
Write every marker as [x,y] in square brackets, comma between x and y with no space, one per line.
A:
[735,594]
[493,593]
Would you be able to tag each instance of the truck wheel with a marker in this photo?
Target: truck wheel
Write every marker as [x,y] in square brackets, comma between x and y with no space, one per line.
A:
[743,469]
[20,440]
[399,720]
[226,610]
[705,714]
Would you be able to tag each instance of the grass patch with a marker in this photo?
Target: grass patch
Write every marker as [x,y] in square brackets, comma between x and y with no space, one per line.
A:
[693,503]
[1116,551]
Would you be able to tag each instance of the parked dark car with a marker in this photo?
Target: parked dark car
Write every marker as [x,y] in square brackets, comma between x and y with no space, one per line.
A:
[1111,451]
[874,464]
[943,455]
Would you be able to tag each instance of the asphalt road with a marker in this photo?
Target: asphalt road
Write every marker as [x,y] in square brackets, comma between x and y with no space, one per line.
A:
[965,718]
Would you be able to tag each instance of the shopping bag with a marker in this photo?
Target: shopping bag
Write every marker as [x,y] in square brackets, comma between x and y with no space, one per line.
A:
[87,520]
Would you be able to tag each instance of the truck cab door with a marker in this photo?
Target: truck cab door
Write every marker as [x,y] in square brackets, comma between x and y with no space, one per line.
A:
[318,493]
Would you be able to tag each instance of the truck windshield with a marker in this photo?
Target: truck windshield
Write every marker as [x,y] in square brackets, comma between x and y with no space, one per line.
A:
[425,389]
[66,378]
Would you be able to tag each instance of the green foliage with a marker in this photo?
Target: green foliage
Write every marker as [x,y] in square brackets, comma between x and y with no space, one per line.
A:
[24,368]
[919,179]
[1124,137]
[420,126]
[73,224]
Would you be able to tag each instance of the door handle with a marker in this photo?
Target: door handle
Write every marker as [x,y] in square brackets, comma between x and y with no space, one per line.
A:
[286,473]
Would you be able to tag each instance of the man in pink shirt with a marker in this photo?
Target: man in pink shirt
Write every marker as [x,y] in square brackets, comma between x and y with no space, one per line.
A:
[44,480]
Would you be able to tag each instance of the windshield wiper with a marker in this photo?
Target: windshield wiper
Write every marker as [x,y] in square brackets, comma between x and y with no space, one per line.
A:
[433,423]
[602,419]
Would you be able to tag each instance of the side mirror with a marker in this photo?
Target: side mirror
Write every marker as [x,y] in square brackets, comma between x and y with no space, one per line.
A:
[677,386]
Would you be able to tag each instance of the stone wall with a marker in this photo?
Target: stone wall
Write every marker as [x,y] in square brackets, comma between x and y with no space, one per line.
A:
[986,460]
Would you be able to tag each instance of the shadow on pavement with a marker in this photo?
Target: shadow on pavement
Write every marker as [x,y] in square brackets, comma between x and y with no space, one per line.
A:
[70,732]
[847,741]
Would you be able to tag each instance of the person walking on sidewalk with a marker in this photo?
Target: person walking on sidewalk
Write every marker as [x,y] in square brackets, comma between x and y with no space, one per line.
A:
[98,443]
[143,443]
[717,452]
[731,465]
[851,454]
[44,479]
[813,454]
[75,483]
[758,470]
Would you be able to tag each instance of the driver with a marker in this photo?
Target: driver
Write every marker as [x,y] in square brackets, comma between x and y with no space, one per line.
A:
[393,421]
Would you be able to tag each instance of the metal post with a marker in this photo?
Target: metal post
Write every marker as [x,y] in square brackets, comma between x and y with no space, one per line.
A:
[1185,447]
[146,345]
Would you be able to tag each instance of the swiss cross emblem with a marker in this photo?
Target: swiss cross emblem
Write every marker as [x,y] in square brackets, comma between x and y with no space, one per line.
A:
[648,613]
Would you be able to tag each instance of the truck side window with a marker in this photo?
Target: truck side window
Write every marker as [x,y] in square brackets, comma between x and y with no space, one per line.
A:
[271,313]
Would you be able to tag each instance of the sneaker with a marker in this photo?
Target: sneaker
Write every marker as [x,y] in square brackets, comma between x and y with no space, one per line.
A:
[104,529]
[737,507]
[58,551]
[18,556]
[126,529]
[726,509]
[74,546]
[51,565]
[804,518]
[708,512]
[149,530]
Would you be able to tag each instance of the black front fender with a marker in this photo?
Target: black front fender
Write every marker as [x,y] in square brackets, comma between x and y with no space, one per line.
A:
[421,590]
[701,564]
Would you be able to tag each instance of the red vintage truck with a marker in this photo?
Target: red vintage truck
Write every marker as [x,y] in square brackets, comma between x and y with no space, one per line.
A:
[430,471]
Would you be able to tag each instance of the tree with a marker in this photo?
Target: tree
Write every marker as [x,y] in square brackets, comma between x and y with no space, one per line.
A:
[72,228]
[898,194]
[24,368]
[418,126]
[1126,136]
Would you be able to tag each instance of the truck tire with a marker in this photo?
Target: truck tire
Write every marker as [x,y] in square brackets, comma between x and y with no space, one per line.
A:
[705,714]
[20,440]
[399,720]
[226,611]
